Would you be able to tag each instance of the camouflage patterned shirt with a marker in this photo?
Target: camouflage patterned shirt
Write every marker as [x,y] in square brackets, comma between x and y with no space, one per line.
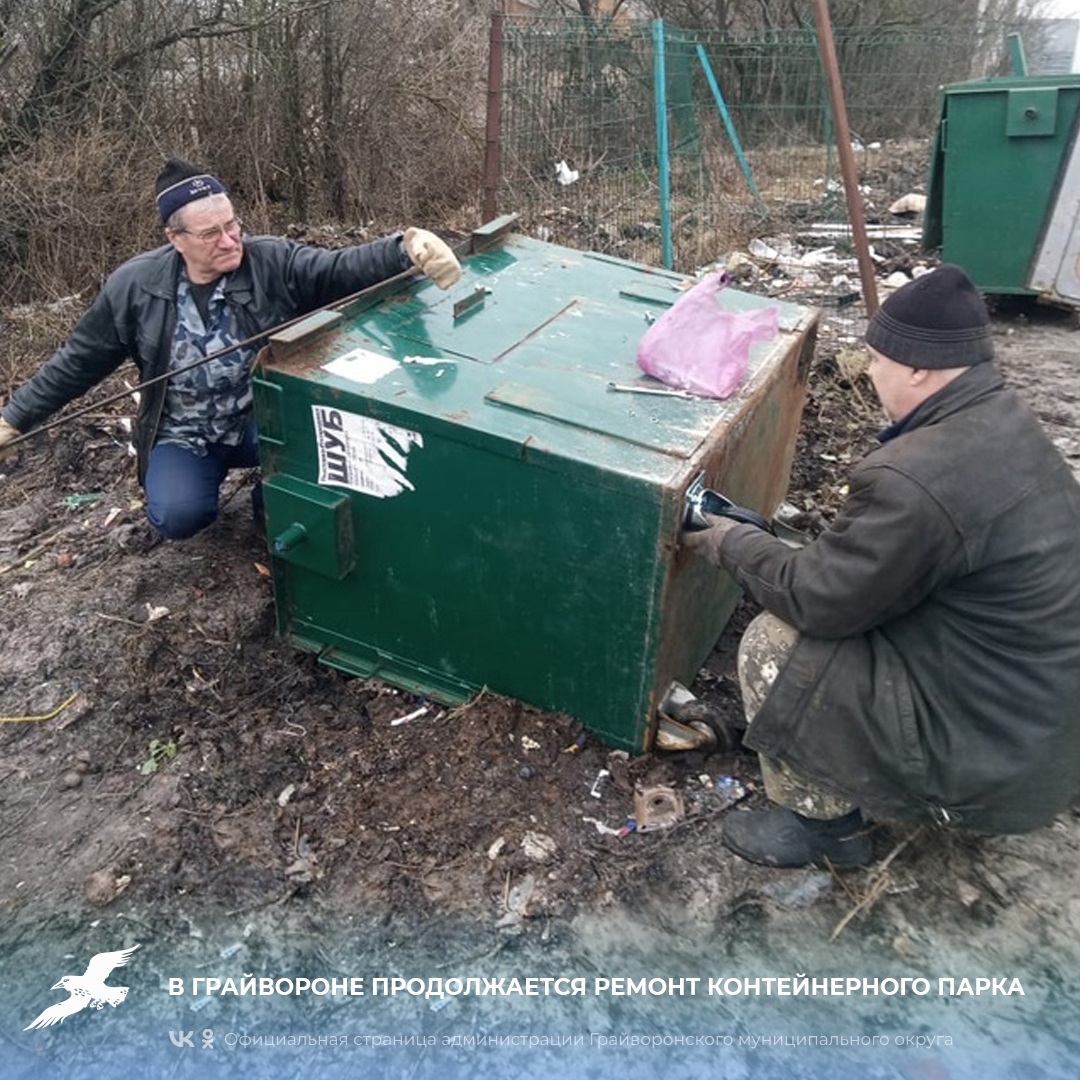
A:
[210,403]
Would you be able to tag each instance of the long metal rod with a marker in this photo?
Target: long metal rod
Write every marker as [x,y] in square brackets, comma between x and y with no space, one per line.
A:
[827,46]
[494,104]
[412,271]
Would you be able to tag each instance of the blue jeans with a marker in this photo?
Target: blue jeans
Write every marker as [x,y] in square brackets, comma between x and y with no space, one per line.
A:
[182,487]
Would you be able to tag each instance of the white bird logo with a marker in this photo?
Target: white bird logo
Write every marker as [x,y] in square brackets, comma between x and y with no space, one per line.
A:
[88,989]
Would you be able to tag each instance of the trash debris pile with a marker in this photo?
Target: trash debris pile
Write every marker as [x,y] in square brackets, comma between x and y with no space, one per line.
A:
[817,265]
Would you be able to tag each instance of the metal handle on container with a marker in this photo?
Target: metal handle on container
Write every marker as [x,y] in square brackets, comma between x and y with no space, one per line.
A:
[293,535]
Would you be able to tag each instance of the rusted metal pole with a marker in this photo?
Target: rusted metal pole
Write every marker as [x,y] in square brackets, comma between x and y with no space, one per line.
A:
[494,98]
[847,157]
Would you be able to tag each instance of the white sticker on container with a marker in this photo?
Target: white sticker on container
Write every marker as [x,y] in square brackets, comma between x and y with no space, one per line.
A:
[363,454]
[361,366]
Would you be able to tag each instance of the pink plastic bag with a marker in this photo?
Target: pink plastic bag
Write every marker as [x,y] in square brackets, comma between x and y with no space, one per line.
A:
[697,346]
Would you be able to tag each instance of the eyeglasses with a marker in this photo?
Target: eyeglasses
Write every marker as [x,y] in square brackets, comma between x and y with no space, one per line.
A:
[210,237]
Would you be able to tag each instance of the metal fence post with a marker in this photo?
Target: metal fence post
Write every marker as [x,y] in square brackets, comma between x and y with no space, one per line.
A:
[729,126]
[494,99]
[663,159]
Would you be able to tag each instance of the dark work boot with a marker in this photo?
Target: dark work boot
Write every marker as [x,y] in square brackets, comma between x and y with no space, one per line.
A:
[780,837]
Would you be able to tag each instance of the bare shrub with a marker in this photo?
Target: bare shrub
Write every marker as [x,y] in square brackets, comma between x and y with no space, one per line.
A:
[364,114]
[73,208]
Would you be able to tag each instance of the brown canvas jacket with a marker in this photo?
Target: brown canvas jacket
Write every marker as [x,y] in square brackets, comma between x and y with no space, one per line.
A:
[938,667]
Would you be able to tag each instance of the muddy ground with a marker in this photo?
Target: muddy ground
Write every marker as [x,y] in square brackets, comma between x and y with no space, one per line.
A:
[174,775]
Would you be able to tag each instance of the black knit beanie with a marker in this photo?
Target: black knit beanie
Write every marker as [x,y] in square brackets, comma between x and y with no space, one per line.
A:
[939,320]
[179,183]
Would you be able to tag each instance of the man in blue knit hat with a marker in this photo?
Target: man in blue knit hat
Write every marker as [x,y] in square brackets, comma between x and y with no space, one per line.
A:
[209,288]
[921,658]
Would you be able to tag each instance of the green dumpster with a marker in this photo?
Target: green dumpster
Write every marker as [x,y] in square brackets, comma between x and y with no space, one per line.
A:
[457,499]
[996,175]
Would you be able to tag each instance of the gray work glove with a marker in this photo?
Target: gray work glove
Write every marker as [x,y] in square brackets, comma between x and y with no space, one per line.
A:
[706,542]
[433,256]
[7,433]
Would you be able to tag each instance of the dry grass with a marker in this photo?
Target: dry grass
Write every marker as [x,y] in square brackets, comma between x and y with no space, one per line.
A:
[30,333]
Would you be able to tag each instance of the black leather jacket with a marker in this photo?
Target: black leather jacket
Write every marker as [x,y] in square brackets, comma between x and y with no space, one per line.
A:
[938,667]
[134,315]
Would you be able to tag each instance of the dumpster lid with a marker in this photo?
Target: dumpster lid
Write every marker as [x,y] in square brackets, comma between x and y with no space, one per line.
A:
[532,335]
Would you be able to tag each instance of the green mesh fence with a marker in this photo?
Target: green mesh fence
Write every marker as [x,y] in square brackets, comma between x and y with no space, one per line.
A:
[584,92]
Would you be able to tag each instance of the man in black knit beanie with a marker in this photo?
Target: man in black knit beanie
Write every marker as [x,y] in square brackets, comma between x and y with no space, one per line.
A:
[208,288]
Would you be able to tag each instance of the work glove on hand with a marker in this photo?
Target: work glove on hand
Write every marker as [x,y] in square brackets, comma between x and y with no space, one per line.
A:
[433,256]
[706,542]
[7,433]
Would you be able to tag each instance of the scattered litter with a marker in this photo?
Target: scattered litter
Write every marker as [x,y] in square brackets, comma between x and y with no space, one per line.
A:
[672,735]
[904,233]
[414,715]
[198,1006]
[441,1003]
[526,772]
[565,175]
[657,807]
[909,204]
[538,846]
[72,502]
[112,517]
[231,950]
[154,613]
[286,794]
[597,789]
[604,830]
[529,744]
[628,828]
[579,741]
[730,791]
[896,279]
[761,250]
[493,851]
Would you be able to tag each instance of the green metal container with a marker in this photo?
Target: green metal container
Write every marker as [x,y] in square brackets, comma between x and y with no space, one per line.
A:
[1001,149]
[456,499]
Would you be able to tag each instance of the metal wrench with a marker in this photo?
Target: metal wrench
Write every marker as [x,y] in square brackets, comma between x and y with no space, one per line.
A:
[626,389]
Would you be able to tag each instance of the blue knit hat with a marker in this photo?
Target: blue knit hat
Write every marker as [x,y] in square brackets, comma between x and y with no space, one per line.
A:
[179,183]
[938,320]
